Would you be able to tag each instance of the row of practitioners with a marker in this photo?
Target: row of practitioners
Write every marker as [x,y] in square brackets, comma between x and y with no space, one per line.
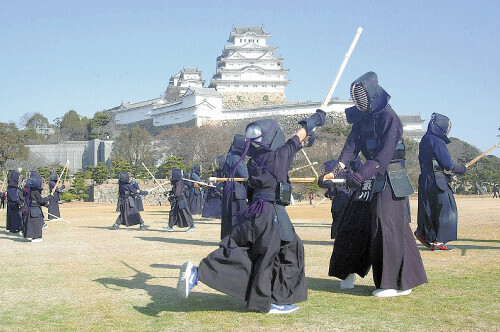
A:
[260,258]
[25,216]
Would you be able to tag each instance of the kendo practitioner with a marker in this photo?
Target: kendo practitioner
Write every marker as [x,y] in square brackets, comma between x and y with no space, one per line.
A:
[374,230]
[15,201]
[129,212]
[234,194]
[495,190]
[34,214]
[437,210]
[262,260]
[3,197]
[212,206]
[338,193]
[54,212]
[137,197]
[179,214]
[195,196]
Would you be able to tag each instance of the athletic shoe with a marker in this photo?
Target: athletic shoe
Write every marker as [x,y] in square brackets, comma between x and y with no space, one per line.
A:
[348,283]
[168,229]
[115,226]
[282,308]
[143,226]
[20,233]
[420,236]
[388,292]
[191,229]
[441,247]
[45,226]
[37,240]
[188,278]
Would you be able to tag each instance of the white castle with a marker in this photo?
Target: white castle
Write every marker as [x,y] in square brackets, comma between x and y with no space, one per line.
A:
[249,82]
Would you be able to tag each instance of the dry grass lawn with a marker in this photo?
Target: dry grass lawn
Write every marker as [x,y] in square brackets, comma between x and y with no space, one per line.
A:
[85,277]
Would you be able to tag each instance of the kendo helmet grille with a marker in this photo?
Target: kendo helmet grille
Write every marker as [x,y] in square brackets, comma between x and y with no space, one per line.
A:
[360,97]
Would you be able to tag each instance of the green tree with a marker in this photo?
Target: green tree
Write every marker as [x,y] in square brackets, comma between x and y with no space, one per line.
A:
[78,189]
[44,172]
[96,126]
[119,164]
[11,144]
[37,121]
[169,164]
[134,146]
[99,172]
[74,127]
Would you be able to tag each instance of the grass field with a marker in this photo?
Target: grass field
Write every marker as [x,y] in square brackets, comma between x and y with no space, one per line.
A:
[86,277]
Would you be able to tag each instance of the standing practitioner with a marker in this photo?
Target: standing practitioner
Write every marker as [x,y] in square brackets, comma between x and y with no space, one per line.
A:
[195,196]
[338,193]
[374,231]
[179,214]
[34,203]
[137,197]
[3,197]
[53,208]
[129,213]
[212,206]
[437,210]
[234,194]
[15,201]
[262,260]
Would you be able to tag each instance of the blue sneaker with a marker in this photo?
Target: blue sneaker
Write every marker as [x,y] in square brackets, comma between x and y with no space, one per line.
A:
[188,278]
[191,229]
[283,308]
[168,229]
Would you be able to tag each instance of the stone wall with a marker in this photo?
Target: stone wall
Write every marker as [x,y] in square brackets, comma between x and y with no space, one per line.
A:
[108,191]
[236,100]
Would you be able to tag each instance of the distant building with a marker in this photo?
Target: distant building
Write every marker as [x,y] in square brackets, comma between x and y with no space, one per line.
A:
[80,154]
[180,82]
[412,126]
[46,132]
[249,70]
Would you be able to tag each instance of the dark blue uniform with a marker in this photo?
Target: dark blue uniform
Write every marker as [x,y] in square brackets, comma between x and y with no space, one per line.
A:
[195,197]
[53,208]
[437,210]
[374,231]
[234,195]
[262,260]
[15,201]
[212,206]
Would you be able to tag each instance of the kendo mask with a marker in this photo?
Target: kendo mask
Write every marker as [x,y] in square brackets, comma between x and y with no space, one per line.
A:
[238,144]
[197,169]
[14,179]
[53,177]
[367,95]
[220,161]
[125,177]
[440,125]
[176,174]
[264,134]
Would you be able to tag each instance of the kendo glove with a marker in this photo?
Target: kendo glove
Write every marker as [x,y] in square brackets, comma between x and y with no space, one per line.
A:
[309,140]
[459,169]
[143,192]
[316,120]
[353,180]
[166,193]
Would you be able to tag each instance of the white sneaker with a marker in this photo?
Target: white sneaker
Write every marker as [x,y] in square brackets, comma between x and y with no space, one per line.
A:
[37,240]
[348,283]
[282,308]
[388,292]
[188,278]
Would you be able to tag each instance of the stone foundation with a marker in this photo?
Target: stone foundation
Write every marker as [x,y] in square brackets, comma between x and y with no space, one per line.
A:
[108,192]
[237,100]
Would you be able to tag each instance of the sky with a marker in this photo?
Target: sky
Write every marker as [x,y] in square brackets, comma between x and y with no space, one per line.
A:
[88,56]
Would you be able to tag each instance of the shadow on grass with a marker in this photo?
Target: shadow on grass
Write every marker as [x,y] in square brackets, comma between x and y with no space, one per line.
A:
[165,298]
[463,247]
[179,241]
[319,243]
[13,237]
[476,240]
[299,225]
[332,285]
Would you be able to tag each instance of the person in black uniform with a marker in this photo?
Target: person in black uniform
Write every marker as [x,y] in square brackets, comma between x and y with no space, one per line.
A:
[195,196]
[375,230]
[262,260]
[212,205]
[54,212]
[15,201]
[179,214]
[129,213]
[437,211]
[34,215]
[338,193]
[234,194]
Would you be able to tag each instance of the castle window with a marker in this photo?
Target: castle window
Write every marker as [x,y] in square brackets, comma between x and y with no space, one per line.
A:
[245,86]
[255,85]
